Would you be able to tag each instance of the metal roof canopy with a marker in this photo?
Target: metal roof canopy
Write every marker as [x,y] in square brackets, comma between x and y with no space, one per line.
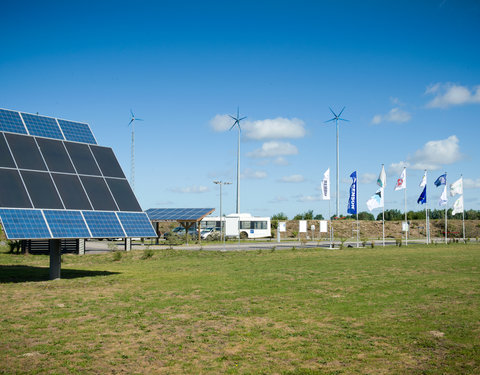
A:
[186,217]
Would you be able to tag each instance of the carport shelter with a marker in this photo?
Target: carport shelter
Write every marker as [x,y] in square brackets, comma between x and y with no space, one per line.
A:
[186,217]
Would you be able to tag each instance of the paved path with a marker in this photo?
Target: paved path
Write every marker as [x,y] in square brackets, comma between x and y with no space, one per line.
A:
[96,247]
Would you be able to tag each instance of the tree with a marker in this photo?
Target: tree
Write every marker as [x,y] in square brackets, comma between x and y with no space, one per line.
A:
[364,215]
[280,216]
[307,215]
[318,217]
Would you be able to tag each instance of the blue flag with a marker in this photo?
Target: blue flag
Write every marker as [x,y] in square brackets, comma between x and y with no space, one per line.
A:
[352,200]
[442,180]
[423,197]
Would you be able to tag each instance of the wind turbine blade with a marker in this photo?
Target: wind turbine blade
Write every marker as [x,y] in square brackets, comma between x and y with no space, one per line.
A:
[331,110]
[131,112]
[235,123]
[130,122]
[139,119]
[233,118]
[330,120]
[341,112]
[342,119]
[243,118]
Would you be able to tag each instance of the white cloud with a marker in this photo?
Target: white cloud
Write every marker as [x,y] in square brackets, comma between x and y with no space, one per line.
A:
[293,178]
[368,178]
[309,198]
[433,155]
[190,189]
[469,183]
[450,94]
[280,161]
[251,174]
[221,123]
[397,168]
[396,115]
[279,199]
[277,128]
[273,149]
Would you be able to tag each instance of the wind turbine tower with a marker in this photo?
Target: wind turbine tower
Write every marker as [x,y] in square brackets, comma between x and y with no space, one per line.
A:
[237,124]
[132,160]
[337,118]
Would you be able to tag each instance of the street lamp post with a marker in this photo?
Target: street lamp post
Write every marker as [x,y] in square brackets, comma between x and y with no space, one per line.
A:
[222,236]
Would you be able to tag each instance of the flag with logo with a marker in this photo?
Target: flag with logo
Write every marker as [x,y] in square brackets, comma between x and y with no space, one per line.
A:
[326,185]
[458,206]
[441,180]
[423,197]
[443,198]
[457,187]
[376,201]
[424,180]
[402,180]
[382,178]
[352,200]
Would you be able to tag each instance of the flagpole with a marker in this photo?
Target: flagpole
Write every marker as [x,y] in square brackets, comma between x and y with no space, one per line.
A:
[356,209]
[463,211]
[383,214]
[406,222]
[427,218]
[446,206]
[330,221]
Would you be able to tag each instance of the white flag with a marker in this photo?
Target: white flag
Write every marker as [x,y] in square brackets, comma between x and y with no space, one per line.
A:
[458,206]
[402,180]
[382,178]
[376,201]
[424,180]
[326,185]
[457,187]
[443,198]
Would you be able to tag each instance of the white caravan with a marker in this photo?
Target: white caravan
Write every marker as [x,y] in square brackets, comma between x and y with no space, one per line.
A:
[245,225]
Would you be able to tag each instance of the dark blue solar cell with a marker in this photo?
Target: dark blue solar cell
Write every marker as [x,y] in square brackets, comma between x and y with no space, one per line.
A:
[24,224]
[77,131]
[66,224]
[136,224]
[10,121]
[42,126]
[103,224]
[177,214]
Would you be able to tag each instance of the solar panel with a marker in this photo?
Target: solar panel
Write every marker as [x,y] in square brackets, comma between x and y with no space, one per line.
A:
[20,224]
[10,121]
[103,224]
[75,185]
[42,126]
[178,214]
[77,131]
[136,224]
[66,224]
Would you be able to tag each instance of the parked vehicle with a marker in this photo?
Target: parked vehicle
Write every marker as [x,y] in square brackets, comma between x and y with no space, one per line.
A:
[180,231]
[243,225]
[208,232]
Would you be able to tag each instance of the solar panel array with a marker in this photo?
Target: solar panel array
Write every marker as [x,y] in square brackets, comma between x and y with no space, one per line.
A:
[178,214]
[56,182]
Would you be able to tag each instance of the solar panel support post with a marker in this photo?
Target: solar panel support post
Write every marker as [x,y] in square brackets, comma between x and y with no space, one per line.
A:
[128,244]
[55,258]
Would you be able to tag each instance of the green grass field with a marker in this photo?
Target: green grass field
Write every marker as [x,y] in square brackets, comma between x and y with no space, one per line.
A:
[408,310]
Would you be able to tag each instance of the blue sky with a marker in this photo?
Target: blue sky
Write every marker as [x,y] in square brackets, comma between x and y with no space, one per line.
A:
[408,73]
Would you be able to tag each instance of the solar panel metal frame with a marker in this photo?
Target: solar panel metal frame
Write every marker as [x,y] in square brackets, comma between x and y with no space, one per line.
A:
[178,214]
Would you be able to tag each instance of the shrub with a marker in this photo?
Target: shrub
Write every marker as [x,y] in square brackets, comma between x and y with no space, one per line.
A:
[117,256]
[372,244]
[398,242]
[147,253]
